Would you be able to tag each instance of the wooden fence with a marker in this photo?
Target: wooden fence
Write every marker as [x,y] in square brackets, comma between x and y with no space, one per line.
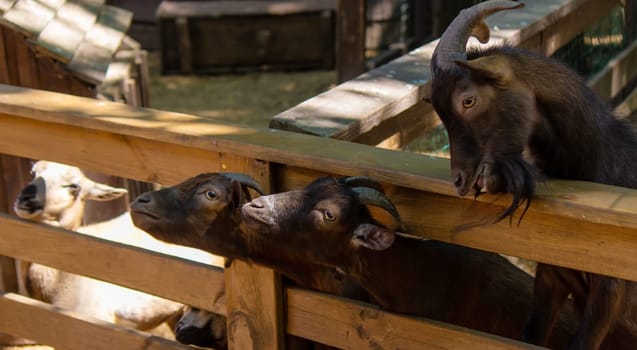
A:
[580,225]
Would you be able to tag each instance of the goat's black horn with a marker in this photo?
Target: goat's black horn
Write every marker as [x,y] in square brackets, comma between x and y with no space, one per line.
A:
[246,181]
[370,196]
[364,181]
[453,42]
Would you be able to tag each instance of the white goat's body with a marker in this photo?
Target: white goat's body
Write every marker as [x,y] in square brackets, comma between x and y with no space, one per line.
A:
[107,301]
[62,204]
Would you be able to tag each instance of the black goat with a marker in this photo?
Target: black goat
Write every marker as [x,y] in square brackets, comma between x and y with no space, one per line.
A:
[513,116]
[331,223]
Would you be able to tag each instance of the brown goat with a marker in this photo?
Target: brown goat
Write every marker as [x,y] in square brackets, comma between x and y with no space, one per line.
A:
[513,116]
[328,222]
[204,212]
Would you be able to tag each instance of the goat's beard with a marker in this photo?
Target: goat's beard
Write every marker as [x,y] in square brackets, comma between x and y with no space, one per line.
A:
[510,174]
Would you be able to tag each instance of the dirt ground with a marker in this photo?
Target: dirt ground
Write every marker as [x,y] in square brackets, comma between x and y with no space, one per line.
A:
[248,99]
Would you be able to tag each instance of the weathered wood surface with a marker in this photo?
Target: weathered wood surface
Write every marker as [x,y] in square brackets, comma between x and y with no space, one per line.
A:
[253,293]
[254,307]
[620,71]
[346,324]
[581,225]
[170,277]
[175,9]
[49,325]
[59,39]
[354,108]
[28,16]
[6,5]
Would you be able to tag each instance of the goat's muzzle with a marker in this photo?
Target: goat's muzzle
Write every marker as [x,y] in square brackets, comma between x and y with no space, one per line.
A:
[31,200]
[259,214]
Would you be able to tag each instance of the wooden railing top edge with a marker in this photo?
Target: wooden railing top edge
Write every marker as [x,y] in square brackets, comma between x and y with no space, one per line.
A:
[587,201]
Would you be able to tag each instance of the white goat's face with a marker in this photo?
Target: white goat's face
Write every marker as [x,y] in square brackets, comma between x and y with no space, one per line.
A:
[58,193]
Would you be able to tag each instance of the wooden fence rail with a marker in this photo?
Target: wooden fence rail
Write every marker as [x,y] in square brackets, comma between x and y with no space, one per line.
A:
[586,226]
[580,225]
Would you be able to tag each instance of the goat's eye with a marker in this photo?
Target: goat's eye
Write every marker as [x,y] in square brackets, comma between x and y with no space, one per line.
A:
[328,215]
[74,189]
[211,195]
[469,102]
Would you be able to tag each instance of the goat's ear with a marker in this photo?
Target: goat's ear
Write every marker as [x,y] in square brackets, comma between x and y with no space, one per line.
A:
[481,32]
[373,237]
[237,195]
[102,192]
[493,67]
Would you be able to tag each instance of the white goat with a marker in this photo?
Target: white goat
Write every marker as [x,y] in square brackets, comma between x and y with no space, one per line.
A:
[57,196]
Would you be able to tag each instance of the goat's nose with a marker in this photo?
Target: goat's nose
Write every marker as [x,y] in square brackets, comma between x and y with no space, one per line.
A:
[257,203]
[28,192]
[144,198]
[460,182]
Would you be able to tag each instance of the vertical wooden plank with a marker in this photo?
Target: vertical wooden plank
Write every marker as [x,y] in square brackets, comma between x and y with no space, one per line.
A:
[421,18]
[8,277]
[51,75]
[14,171]
[185,47]
[141,61]
[81,88]
[630,20]
[9,38]
[253,293]
[350,60]
[14,175]
[27,70]
[4,69]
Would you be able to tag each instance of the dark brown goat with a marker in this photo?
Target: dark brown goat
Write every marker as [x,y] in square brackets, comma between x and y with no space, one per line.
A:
[204,212]
[513,116]
[328,223]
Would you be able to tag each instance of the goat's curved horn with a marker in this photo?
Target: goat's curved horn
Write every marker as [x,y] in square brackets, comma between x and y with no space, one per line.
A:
[364,181]
[370,196]
[246,181]
[453,42]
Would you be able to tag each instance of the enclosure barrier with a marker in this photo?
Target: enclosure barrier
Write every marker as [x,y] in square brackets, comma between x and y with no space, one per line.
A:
[580,225]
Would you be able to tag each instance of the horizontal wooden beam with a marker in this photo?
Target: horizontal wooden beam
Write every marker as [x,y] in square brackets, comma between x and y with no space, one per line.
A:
[174,9]
[346,324]
[170,277]
[168,147]
[52,326]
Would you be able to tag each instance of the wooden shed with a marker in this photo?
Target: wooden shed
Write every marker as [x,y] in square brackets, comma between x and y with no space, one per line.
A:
[78,47]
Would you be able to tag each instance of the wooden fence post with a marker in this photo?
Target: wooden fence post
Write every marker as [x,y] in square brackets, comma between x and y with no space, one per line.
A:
[350,36]
[254,298]
[14,174]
